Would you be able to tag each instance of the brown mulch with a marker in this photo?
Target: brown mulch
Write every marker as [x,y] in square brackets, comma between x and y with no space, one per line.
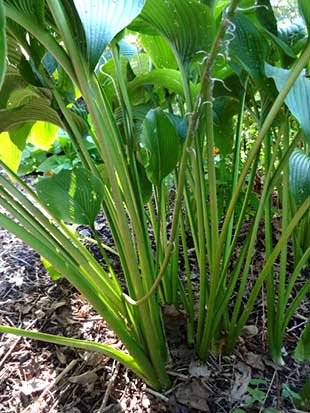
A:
[40,377]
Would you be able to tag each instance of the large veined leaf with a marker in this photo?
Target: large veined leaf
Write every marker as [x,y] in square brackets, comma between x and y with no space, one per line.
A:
[37,109]
[298,97]
[159,51]
[248,48]
[72,196]
[299,176]
[302,351]
[2,45]
[160,145]
[33,8]
[188,26]
[167,78]
[102,20]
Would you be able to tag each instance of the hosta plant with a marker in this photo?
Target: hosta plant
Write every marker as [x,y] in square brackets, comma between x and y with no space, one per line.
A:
[160,118]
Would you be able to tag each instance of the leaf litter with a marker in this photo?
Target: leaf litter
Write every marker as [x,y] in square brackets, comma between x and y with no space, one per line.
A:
[34,375]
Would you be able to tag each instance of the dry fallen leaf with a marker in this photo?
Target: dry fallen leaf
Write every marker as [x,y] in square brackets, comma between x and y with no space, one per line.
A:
[32,386]
[249,331]
[86,378]
[241,382]
[254,360]
[198,369]
[193,395]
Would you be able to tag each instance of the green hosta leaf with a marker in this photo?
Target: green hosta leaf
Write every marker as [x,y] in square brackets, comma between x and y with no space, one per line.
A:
[304,9]
[72,196]
[248,48]
[224,108]
[37,109]
[180,124]
[266,16]
[12,145]
[102,20]
[302,351]
[299,176]
[160,146]
[298,97]
[167,78]
[54,274]
[33,8]
[43,135]
[145,184]
[10,153]
[159,51]
[3,46]
[188,26]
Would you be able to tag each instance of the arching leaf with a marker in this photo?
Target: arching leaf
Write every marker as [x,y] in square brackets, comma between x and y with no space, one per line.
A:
[2,45]
[37,109]
[248,48]
[160,146]
[102,20]
[299,176]
[73,196]
[167,78]
[298,97]
[188,26]
[159,51]
[33,8]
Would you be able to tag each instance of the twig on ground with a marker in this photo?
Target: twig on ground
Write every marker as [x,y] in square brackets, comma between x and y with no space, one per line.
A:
[156,394]
[111,381]
[268,391]
[7,355]
[70,366]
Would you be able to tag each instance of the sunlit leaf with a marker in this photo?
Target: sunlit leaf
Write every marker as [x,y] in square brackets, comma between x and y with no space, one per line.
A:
[102,20]
[2,44]
[188,26]
[43,135]
[37,109]
[159,51]
[298,97]
[73,196]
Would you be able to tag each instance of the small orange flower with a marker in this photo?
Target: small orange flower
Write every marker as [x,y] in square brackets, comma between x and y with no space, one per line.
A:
[216,150]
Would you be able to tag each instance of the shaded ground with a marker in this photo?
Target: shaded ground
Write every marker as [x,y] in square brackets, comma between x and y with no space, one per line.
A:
[38,377]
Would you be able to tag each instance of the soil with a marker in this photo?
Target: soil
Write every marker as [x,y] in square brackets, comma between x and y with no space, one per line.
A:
[39,377]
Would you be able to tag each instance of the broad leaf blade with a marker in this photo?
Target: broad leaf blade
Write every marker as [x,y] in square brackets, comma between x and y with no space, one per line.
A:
[73,196]
[43,135]
[32,8]
[102,20]
[37,109]
[298,97]
[159,51]
[299,176]
[188,26]
[160,146]
[3,46]
[248,48]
